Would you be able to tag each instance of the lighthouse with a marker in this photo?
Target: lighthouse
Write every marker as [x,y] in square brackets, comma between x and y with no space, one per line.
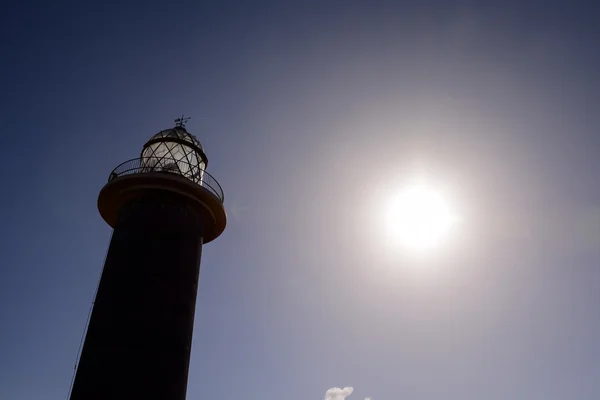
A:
[163,207]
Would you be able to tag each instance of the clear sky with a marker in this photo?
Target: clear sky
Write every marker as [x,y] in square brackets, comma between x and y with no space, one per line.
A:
[311,115]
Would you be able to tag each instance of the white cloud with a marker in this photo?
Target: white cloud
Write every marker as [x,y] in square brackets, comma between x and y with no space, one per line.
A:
[336,393]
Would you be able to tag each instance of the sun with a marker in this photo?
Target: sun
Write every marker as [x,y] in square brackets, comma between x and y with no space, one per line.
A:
[419,217]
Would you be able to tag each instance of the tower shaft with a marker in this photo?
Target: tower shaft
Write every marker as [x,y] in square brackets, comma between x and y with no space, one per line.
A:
[139,338]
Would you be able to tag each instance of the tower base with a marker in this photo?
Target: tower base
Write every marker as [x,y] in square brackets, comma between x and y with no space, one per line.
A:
[140,333]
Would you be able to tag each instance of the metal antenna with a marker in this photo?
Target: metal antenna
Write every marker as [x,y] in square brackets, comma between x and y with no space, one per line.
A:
[180,122]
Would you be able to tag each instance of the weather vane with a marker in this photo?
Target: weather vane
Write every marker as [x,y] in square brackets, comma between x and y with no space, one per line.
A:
[180,122]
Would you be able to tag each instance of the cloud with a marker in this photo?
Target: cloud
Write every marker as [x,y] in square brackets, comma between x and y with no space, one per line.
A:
[336,393]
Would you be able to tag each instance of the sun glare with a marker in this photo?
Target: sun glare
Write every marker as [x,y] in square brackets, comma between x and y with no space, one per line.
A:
[419,218]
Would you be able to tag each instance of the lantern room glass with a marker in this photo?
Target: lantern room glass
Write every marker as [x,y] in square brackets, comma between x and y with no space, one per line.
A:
[175,151]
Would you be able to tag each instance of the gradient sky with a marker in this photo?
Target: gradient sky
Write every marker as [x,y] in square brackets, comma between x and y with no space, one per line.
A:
[312,115]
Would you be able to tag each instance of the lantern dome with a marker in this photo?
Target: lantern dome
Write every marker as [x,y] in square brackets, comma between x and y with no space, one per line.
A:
[177,151]
[172,160]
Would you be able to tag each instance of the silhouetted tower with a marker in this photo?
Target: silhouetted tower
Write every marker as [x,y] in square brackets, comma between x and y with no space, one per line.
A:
[163,207]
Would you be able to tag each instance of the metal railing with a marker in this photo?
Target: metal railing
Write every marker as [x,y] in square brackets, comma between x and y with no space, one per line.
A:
[168,165]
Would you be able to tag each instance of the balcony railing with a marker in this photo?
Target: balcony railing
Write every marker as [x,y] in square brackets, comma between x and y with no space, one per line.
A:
[178,167]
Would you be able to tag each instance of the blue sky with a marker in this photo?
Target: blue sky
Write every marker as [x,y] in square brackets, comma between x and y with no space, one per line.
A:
[312,114]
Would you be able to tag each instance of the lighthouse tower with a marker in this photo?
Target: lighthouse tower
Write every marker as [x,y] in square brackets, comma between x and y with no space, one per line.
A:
[162,206]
